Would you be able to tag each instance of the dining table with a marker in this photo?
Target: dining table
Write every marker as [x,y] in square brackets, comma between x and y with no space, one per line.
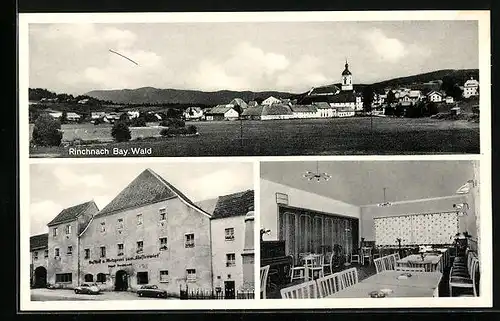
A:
[431,262]
[396,284]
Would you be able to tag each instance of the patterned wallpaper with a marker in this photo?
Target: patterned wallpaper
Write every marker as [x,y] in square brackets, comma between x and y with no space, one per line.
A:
[427,228]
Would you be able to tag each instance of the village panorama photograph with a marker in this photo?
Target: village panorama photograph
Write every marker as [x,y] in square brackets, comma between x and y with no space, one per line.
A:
[253,88]
[145,231]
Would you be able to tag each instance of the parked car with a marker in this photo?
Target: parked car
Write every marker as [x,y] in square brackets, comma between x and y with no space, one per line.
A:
[88,289]
[151,291]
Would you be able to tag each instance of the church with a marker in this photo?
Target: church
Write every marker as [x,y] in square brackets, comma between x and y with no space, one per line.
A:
[344,99]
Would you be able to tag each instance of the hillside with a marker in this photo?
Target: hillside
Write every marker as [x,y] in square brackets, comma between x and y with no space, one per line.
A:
[456,75]
[177,96]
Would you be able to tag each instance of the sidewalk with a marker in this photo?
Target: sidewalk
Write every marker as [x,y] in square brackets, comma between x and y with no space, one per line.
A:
[70,295]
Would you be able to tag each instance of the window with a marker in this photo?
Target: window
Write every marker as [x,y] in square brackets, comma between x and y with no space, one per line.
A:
[46,253]
[163,214]
[101,277]
[120,249]
[191,274]
[70,250]
[119,225]
[87,253]
[140,246]
[103,251]
[68,229]
[164,276]
[190,240]
[142,278]
[64,278]
[103,227]
[229,232]
[89,278]
[230,259]
[54,232]
[139,219]
[56,252]
[163,243]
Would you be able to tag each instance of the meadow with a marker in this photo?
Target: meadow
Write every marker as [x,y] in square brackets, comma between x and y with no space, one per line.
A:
[335,136]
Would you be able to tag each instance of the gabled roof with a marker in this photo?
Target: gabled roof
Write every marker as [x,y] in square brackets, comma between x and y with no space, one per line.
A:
[239,102]
[71,213]
[434,92]
[253,111]
[220,109]
[276,109]
[236,204]
[322,105]
[303,108]
[194,109]
[39,241]
[145,189]
[324,90]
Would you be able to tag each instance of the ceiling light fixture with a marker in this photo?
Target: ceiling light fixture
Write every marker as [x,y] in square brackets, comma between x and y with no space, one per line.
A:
[317,175]
[385,203]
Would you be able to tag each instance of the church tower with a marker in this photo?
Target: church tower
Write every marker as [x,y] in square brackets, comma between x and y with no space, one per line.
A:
[346,78]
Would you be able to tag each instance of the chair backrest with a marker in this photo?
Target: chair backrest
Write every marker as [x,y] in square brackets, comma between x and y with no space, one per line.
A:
[264,270]
[366,251]
[379,264]
[390,262]
[348,277]
[318,260]
[396,256]
[305,290]
[409,269]
[328,285]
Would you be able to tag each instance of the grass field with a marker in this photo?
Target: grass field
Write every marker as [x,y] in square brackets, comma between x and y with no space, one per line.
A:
[337,136]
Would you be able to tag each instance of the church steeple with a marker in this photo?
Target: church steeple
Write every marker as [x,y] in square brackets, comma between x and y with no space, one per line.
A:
[346,77]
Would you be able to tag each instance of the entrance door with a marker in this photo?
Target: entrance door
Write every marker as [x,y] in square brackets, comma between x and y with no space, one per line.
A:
[121,281]
[229,290]
[40,277]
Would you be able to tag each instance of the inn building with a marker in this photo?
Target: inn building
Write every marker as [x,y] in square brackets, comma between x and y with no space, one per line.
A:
[151,233]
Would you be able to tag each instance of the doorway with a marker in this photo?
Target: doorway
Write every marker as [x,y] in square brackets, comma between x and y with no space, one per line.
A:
[40,277]
[121,281]
[229,290]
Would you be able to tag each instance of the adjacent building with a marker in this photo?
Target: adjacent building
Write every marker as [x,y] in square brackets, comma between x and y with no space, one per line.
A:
[223,112]
[193,113]
[270,101]
[471,88]
[39,254]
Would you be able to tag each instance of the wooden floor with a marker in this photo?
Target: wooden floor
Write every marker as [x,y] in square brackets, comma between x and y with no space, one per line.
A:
[273,292]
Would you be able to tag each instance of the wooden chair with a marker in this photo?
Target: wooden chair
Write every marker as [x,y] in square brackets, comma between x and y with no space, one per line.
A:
[328,285]
[366,253]
[409,269]
[264,270]
[379,264]
[314,268]
[465,282]
[306,290]
[327,263]
[348,277]
[390,262]
[355,257]
[297,273]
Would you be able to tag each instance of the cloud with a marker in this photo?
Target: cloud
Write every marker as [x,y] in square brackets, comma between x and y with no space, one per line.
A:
[67,178]
[249,67]
[41,213]
[392,49]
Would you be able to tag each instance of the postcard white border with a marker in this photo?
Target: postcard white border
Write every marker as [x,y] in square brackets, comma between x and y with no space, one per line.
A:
[485,300]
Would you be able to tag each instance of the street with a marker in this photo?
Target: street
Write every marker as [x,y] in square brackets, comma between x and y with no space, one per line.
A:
[70,295]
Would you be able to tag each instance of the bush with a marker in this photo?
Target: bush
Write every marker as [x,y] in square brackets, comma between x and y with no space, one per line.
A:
[138,122]
[121,132]
[191,129]
[47,131]
[173,122]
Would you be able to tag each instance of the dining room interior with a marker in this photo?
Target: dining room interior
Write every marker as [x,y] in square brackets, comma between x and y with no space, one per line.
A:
[369,229]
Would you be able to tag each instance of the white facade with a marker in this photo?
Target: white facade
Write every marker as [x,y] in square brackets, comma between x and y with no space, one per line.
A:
[193,113]
[435,97]
[326,112]
[301,114]
[359,103]
[471,88]
[271,100]
[350,113]
[231,114]
[228,240]
[449,100]
[272,117]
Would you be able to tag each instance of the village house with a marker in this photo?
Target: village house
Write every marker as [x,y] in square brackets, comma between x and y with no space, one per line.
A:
[253,112]
[133,114]
[150,233]
[97,114]
[270,101]
[39,254]
[345,112]
[324,110]
[449,100]
[435,96]
[222,112]
[56,114]
[239,104]
[73,116]
[276,111]
[83,101]
[193,113]
[471,88]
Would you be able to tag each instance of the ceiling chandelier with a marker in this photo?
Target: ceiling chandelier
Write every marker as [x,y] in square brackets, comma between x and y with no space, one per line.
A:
[317,175]
[385,203]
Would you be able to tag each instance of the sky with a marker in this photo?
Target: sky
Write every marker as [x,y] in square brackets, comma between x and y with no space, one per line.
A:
[285,56]
[362,182]
[54,187]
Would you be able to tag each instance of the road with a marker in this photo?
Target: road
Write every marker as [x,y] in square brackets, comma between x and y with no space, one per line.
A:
[69,295]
